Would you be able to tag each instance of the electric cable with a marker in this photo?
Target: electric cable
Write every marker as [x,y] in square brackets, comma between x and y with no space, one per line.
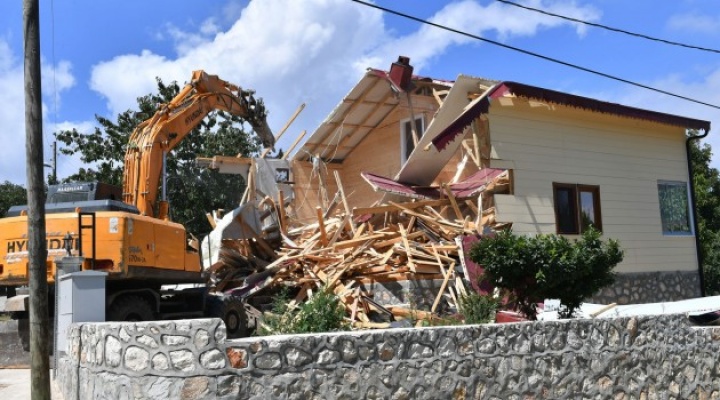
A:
[609,28]
[538,55]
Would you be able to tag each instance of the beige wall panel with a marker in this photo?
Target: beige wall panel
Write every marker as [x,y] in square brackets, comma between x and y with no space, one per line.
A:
[625,157]
[379,152]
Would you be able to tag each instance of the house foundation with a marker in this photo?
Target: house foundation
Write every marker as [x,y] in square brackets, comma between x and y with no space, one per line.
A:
[650,287]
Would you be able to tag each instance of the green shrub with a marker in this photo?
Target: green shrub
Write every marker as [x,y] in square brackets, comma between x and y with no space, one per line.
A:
[477,309]
[322,313]
[531,269]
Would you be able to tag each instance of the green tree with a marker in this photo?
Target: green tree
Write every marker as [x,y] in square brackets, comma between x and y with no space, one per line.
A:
[532,269]
[11,195]
[192,191]
[707,199]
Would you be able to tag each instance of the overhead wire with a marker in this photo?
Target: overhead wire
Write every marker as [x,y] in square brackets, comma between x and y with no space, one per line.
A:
[609,28]
[54,72]
[537,55]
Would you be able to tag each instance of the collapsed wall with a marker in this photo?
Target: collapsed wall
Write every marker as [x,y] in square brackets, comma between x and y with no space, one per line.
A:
[625,358]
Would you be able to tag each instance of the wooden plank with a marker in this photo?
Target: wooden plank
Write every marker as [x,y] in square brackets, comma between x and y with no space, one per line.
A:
[471,153]
[341,228]
[372,325]
[398,239]
[453,202]
[281,213]
[393,207]
[411,313]
[406,243]
[354,242]
[284,128]
[343,198]
[211,220]
[402,276]
[321,226]
[295,143]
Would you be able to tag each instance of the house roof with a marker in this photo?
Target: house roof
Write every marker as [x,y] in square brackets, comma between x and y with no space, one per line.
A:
[502,89]
[358,113]
[373,98]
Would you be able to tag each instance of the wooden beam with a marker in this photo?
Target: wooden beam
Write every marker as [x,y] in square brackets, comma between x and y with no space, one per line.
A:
[284,128]
[471,153]
[453,202]
[321,226]
[355,103]
[211,220]
[344,199]
[398,207]
[281,212]
[292,146]
[370,115]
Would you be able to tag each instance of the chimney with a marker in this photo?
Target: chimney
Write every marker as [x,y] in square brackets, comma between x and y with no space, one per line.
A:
[401,73]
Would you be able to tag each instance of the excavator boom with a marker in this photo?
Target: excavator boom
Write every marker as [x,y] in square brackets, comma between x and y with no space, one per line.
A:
[153,138]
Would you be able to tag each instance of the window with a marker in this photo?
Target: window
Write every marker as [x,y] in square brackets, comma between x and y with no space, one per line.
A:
[407,142]
[674,208]
[577,207]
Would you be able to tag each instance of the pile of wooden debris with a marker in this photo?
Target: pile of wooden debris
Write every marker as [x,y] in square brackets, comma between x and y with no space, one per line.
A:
[347,253]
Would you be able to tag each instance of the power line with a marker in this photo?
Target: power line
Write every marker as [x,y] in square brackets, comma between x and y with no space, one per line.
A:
[537,55]
[609,28]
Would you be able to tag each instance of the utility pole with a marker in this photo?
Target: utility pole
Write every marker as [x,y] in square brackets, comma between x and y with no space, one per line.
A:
[37,252]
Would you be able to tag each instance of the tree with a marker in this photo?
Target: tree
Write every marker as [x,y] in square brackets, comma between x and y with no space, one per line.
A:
[531,269]
[11,195]
[707,200]
[192,191]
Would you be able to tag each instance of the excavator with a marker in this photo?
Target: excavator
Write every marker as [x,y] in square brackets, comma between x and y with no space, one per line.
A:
[127,232]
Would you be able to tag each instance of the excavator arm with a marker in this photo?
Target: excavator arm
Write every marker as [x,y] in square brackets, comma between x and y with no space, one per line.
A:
[156,136]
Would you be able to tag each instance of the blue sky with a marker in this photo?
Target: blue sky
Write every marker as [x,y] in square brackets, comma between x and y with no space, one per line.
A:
[99,56]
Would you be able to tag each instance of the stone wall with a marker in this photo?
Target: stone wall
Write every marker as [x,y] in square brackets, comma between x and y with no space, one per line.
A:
[650,287]
[629,358]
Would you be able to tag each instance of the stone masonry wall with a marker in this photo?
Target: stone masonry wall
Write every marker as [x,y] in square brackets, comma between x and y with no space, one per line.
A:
[650,287]
[630,358]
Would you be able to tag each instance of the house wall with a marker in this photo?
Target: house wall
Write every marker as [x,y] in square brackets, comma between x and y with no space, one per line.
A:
[625,157]
[306,186]
[379,151]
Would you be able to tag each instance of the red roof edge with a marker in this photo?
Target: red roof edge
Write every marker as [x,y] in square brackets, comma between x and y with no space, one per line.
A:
[518,89]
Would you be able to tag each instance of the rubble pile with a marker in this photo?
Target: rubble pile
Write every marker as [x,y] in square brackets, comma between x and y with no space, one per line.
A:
[393,242]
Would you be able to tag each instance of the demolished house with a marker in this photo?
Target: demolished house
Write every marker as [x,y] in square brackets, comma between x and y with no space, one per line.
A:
[382,201]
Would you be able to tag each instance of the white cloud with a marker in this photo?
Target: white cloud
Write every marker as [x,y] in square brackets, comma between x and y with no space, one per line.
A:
[311,51]
[469,16]
[695,23]
[12,113]
[12,116]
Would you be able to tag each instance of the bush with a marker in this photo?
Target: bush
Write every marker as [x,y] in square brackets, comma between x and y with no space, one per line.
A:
[322,313]
[532,269]
[477,309]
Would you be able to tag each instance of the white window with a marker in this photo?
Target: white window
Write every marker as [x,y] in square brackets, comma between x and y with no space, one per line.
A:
[407,143]
[675,208]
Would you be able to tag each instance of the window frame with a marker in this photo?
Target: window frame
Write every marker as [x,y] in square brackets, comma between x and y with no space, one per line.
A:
[688,199]
[576,191]
[404,154]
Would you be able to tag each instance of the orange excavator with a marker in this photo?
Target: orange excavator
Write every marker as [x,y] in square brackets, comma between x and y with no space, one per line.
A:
[133,240]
